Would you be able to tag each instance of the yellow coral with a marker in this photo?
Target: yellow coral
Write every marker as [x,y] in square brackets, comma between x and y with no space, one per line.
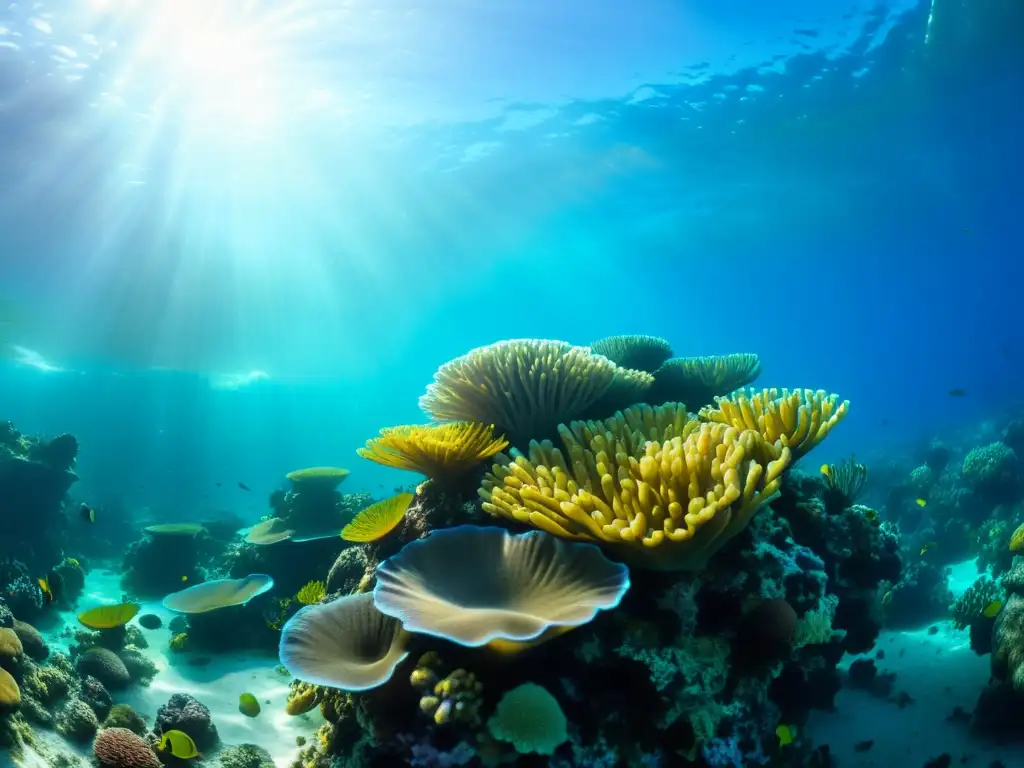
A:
[439,451]
[800,418]
[312,593]
[670,504]
[301,699]
[525,387]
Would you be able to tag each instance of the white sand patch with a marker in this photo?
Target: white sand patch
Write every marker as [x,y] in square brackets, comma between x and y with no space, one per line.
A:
[940,672]
[218,684]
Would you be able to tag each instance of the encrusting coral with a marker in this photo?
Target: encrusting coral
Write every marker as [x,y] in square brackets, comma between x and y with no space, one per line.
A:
[801,418]
[442,452]
[670,505]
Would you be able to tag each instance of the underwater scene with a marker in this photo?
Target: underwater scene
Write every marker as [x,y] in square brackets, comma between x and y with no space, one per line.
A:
[511,383]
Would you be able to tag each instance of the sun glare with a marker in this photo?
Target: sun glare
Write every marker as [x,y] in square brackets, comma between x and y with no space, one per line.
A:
[220,68]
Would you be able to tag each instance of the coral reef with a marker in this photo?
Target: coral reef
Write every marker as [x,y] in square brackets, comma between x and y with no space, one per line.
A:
[186,714]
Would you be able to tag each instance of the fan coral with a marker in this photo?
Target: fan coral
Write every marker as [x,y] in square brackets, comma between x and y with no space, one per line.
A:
[694,493]
[442,452]
[844,483]
[347,644]
[120,748]
[801,418]
[530,718]
[476,586]
[642,353]
[378,520]
[699,380]
[525,387]
[312,593]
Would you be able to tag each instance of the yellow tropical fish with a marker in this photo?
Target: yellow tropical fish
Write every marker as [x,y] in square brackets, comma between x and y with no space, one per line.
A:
[927,547]
[179,744]
[44,587]
[920,502]
[992,609]
[786,734]
[826,470]
[870,514]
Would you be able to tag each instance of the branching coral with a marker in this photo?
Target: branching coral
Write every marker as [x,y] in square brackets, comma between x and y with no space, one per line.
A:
[801,418]
[442,452]
[699,380]
[670,505]
[525,387]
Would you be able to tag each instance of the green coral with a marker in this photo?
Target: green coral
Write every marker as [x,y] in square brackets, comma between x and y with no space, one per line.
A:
[123,716]
[48,684]
[246,756]
[76,721]
[970,606]
[989,467]
[815,628]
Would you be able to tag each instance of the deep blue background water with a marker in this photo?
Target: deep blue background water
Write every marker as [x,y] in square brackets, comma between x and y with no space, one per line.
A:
[841,197]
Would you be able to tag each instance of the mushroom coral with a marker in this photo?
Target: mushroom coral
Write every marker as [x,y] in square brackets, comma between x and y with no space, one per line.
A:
[525,387]
[800,418]
[642,353]
[477,585]
[440,451]
[346,644]
[665,505]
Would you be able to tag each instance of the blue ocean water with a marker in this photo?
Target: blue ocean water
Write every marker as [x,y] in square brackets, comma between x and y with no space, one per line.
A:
[240,238]
[834,188]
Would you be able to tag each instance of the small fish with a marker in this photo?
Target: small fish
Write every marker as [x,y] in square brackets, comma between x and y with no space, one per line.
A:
[870,514]
[928,547]
[184,579]
[218,484]
[87,513]
[826,470]
[921,502]
[992,609]
[968,229]
[786,734]
[957,392]
[179,744]
[44,587]
[887,597]
[863,746]
[243,486]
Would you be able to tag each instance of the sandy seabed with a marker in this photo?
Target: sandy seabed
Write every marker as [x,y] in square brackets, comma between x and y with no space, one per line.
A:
[217,684]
